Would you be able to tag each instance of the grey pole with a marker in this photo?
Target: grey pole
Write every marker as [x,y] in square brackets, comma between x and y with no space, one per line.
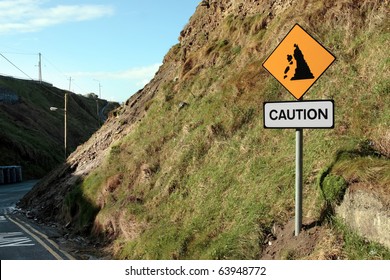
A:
[2,175]
[65,126]
[298,179]
[40,67]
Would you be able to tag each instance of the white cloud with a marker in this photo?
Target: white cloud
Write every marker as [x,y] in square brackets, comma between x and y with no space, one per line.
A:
[139,74]
[34,15]
[116,85]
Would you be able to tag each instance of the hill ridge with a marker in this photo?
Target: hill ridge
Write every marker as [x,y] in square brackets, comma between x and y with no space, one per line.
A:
[32,135]
[205,181]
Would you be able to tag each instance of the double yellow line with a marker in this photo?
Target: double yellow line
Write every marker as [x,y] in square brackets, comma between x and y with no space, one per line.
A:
[30,231]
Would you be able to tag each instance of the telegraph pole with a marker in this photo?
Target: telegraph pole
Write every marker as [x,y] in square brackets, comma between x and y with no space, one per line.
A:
[100,88]
[97,101]
[65,125]
[40,67]
[70,82]
[100,91]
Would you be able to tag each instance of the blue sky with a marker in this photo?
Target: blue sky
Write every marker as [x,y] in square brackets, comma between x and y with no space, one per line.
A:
[117,44]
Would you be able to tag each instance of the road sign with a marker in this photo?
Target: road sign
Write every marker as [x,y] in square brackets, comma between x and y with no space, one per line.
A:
[302,114]
[298,61]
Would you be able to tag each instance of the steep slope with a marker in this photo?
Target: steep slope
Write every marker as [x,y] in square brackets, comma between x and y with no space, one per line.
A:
[185,169]
[31,135]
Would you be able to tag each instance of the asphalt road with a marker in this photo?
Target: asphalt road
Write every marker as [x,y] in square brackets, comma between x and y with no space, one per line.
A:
[19,238]
[11,194]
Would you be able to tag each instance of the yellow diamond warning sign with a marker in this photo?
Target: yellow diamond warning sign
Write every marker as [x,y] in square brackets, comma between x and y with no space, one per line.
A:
[298,61]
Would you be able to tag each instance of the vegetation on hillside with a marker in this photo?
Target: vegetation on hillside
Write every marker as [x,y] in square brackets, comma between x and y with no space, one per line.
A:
[33,136]
[198,177]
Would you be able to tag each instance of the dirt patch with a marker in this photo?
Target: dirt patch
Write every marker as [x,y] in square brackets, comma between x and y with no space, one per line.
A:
[283,244]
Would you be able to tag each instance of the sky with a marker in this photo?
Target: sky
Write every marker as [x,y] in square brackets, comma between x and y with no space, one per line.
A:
[111,48]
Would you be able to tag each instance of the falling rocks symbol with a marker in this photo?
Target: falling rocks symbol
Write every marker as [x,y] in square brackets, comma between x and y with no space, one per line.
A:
[302,71]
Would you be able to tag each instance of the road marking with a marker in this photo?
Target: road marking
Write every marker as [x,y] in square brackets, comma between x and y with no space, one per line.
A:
[7,210]
[47,239]
[58,257]
[14,239]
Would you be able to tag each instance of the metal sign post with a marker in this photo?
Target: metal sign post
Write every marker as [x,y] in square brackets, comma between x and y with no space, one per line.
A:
[299,51]
[299,115]
[298,179]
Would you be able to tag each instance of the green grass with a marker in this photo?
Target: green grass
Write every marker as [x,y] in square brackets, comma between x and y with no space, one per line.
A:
[208,181]
[80,210]
[358,248]
[32,135]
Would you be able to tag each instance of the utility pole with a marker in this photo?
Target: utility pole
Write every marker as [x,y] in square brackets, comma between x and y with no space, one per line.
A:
[65,125]
[97,111]
[70,82]
[65,109]
[100,88]
[100,91]
[40,67]
[97,101]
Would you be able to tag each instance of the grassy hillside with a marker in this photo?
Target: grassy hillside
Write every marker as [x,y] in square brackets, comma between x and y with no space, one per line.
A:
[31,135]
[198,177]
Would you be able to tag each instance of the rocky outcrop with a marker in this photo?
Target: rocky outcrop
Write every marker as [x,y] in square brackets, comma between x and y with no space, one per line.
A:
[366,213]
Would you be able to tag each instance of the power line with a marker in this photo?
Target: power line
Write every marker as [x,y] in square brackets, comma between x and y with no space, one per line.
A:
[55,67]
[20,53]
[16,66]
[42,84]
[50,91]
[47,60]
[62,73]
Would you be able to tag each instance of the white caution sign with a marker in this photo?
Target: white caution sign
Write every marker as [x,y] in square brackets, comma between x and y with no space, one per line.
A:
[299,114]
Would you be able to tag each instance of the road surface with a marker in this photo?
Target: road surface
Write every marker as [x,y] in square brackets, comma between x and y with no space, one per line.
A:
[19,238]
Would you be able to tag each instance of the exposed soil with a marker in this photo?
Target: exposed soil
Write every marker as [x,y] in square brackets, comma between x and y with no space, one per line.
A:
[283,244]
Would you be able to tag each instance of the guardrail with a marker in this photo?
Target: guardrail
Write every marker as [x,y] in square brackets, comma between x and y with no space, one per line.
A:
[10,174]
